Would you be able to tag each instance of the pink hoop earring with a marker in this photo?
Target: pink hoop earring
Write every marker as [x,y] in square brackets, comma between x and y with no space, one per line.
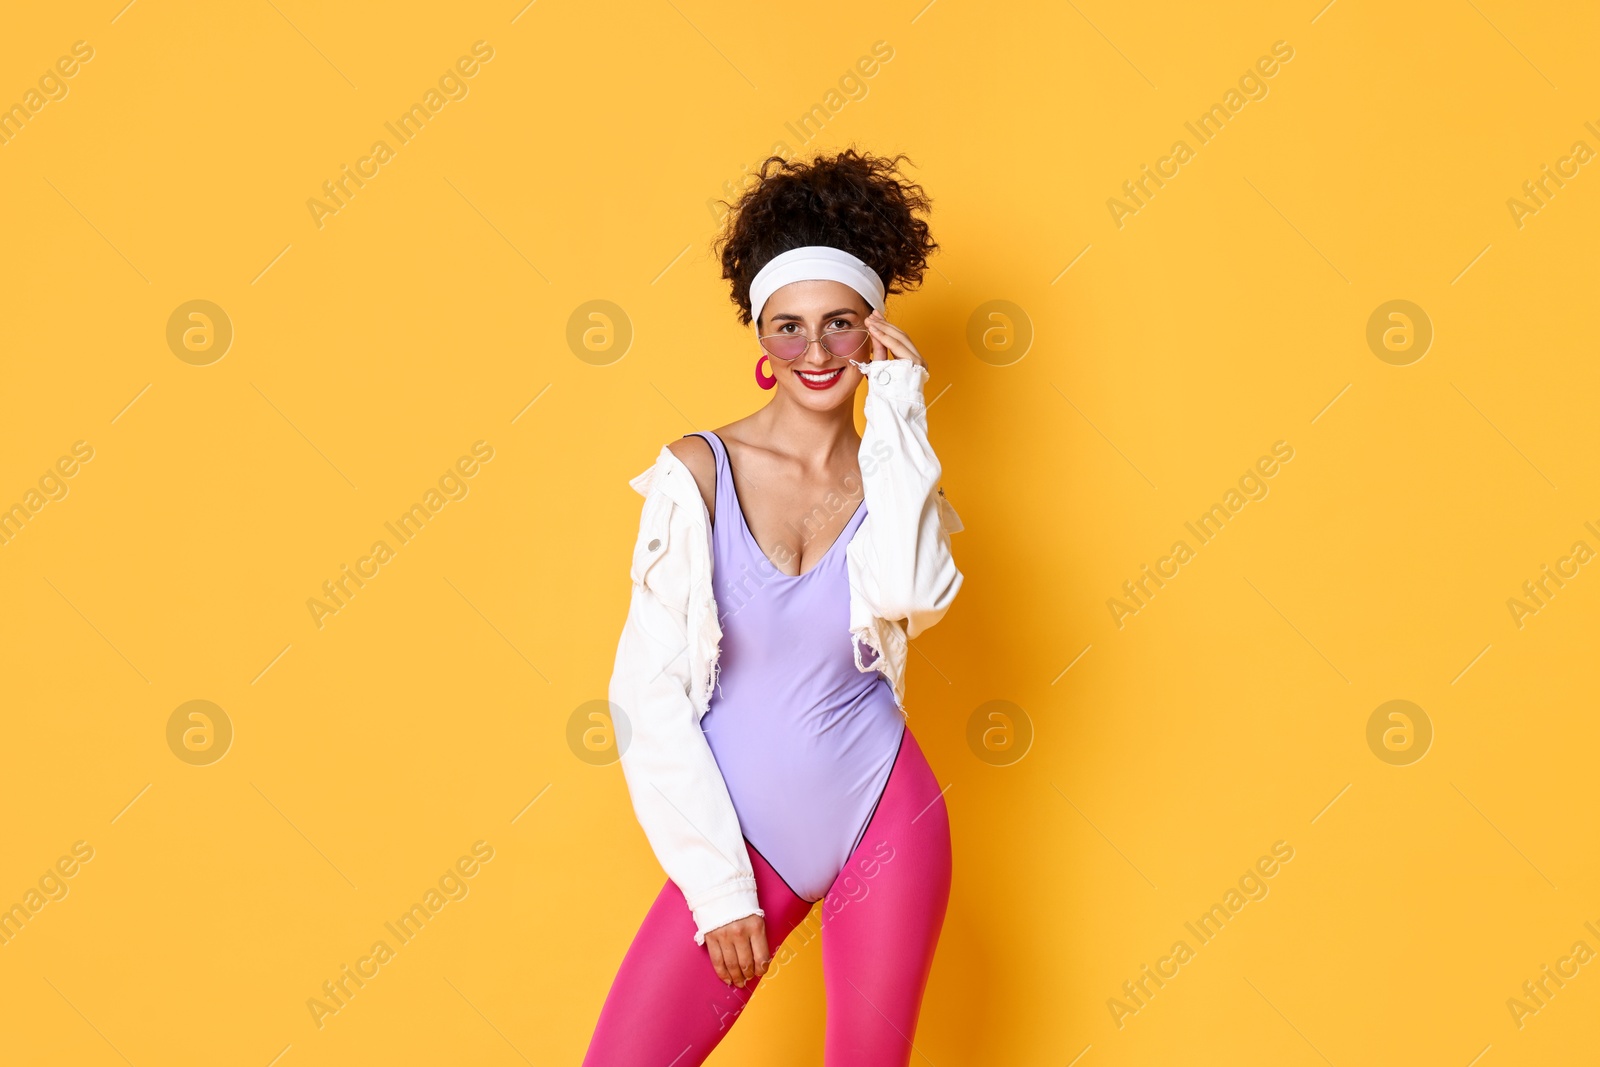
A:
[766,381]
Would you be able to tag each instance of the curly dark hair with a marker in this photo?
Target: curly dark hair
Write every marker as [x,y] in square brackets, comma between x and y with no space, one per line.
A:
[854,201]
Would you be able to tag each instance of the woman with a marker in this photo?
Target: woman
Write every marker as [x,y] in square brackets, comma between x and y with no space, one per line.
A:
[781,565]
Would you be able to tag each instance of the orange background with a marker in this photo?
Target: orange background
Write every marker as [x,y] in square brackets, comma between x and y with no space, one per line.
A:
[1134,374]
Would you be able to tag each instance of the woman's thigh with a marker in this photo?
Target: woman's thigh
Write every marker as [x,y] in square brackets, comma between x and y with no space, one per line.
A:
[882,917]
[667,1005]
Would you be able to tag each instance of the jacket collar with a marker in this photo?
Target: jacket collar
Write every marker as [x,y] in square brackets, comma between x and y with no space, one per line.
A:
[675,481]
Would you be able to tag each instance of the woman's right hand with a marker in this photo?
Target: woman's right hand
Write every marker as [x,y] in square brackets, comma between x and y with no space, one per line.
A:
[739,950]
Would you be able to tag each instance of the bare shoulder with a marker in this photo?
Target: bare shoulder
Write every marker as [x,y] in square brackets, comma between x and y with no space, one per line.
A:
[695,453]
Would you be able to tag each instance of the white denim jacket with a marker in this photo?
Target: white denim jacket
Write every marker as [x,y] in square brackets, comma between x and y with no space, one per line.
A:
[902,581]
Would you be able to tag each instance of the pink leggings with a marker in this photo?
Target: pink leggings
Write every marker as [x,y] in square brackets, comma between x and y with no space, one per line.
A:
[880,923]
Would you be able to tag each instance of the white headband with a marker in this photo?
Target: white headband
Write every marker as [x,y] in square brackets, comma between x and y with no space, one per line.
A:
[812,263]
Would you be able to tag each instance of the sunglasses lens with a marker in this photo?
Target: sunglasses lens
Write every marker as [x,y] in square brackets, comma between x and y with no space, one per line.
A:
[784,346]
[834,342]
[843,342]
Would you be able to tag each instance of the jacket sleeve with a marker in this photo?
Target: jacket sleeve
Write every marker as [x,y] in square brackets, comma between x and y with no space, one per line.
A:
[908,571]
[677,790]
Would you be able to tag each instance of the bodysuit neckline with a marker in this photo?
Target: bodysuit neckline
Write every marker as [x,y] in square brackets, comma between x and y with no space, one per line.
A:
[744,523]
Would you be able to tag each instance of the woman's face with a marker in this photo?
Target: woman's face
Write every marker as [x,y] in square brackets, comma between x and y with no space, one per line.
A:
[818,379]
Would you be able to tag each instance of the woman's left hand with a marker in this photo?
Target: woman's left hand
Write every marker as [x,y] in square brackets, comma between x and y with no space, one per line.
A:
[890,341]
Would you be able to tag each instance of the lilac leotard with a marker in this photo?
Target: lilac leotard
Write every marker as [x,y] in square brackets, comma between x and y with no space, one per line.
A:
[804,740]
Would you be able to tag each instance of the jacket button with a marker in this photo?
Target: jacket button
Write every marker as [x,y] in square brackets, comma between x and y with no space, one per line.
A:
[655,543]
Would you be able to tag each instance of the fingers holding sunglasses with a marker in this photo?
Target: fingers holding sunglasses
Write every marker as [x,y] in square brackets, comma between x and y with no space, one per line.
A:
[876,350]
[889,337]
